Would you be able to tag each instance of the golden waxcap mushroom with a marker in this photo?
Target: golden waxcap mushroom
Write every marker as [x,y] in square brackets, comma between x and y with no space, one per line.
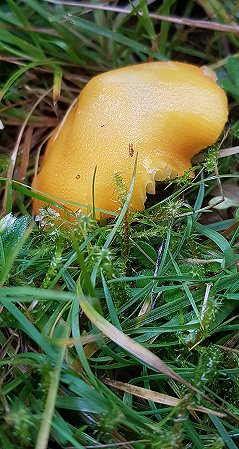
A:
[164,111]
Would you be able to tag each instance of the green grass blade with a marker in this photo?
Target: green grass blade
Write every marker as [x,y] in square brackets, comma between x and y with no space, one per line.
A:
[94,29]
[77,341]
[27,326]
[11,257]
[194,437]
[21,17]
[222,432]
[18,73]
[123,211]
[67,436]
[112,311]
[48,412]
[128,344]
[221,242]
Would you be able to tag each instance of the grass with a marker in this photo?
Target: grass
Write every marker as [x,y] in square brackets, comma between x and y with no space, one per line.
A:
[118,333]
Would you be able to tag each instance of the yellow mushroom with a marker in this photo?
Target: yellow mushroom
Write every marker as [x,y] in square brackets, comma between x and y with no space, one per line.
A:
[165,112]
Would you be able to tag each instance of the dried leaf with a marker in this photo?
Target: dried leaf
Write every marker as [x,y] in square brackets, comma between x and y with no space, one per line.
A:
[159,398]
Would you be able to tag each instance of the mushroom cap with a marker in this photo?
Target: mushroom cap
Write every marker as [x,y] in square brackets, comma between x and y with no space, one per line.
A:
[165,112]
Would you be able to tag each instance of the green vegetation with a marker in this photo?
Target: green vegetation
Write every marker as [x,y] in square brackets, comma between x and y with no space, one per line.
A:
[117,334]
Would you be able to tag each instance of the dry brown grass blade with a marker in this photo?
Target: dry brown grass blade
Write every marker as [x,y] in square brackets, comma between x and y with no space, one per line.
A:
[113,445]
[228,349]
[4,349]
[131,346]
[42,123]
[159,398]
[139,351]
[15,150]
[25,154]
[211,6]
[228,152]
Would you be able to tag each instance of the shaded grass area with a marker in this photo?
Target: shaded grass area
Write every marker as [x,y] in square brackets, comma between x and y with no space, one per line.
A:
[121,333]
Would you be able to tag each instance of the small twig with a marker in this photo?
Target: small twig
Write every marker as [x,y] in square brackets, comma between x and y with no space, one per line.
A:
[193,23]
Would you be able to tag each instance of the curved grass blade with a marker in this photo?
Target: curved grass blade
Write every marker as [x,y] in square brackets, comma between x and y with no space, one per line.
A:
[14,77]
[220,241]
[131,346]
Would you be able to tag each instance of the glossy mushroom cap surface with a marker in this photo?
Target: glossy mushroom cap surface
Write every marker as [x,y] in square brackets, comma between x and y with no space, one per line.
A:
[165,112]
